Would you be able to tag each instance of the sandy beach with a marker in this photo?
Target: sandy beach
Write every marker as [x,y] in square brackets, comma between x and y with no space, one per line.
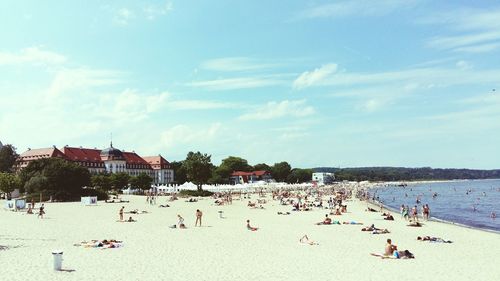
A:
[223,249]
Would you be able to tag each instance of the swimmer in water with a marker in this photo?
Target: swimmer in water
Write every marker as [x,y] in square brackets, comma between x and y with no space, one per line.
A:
[493,215]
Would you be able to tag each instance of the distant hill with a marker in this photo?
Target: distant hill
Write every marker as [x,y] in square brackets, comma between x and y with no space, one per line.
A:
[406,174]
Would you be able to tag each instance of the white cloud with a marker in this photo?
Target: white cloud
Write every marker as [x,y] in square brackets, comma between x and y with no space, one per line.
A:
[152,12]
[200,104]
[476,31]
[307,78]
[286,108]
[236,83]
[235,64]
[72,80]
[482,48]
[341,9]
[130,105]
[138,11]
[451,42]
[463,65]
[32,55]
[183,134]
[123,16]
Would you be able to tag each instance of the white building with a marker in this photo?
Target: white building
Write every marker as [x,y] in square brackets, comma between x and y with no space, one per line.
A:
[323,178]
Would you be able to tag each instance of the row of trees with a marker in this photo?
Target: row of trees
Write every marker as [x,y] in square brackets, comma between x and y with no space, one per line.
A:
[198,168]
[407,174]
[117,181]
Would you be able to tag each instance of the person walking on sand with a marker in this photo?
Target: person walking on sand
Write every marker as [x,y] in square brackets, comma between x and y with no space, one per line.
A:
[199,214]
[121,213]
[41,211]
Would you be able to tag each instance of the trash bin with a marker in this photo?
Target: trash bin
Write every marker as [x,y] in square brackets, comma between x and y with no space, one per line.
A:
[57,259]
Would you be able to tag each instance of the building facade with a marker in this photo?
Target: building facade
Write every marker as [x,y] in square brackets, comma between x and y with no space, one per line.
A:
[110,160]
[250,177]
[323,178]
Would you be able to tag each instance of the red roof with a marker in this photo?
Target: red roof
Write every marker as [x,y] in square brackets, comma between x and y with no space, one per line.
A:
[260,173]
[240,173]
[83,154]
[254,173]
[157,162]
[133,158]
[41,153]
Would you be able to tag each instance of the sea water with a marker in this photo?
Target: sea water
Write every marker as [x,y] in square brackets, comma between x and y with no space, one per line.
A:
[469,202]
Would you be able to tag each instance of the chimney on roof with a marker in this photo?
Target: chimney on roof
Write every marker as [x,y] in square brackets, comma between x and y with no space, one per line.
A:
[53,146]
[66,146]
[81,147]
[29,148]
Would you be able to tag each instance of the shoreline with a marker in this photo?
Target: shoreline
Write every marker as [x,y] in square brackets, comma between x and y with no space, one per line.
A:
[434,219]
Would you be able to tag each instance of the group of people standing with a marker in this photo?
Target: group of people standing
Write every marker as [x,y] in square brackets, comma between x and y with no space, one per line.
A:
[412,213]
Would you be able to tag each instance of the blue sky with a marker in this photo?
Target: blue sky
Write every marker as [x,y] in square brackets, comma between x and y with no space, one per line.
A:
[316,83]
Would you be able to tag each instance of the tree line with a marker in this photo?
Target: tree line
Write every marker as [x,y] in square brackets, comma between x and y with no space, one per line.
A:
[407,174]
[198,169]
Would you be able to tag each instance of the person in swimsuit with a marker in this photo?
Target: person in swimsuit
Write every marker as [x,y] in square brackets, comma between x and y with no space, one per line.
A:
[305,240]
[41,212]
[199,214]
[251,227]
[433,239]
[390,248]
[121,212]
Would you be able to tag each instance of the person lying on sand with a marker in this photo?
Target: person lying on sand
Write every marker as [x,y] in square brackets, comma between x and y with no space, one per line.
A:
[305,240]
[352,222]
[389,217]
[130,219]
[251,227]
[104,244]
[136,211]
[164,206]
[327,220]
[250,204]
[415,224]
[281,213]
[371,210]
[433,239]
[370,228]
[380,231]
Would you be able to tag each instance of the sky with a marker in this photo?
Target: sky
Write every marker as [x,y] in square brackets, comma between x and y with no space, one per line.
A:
[409,83]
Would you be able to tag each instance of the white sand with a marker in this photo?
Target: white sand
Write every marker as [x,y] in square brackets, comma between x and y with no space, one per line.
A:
[223,249]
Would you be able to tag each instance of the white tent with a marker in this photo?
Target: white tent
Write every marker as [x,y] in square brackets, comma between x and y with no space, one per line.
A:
[188,186]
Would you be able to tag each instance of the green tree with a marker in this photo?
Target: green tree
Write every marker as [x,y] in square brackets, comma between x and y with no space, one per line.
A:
[300,175]
[262,167]
[8,157]
[9,183]
[119,180]
[144,181]
[280,171]
[55,177]
[198,168]
[228,166]
[180,176]
[101,181]
[35,183]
